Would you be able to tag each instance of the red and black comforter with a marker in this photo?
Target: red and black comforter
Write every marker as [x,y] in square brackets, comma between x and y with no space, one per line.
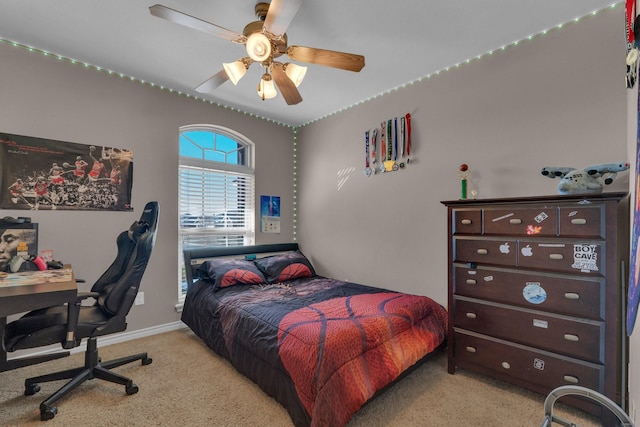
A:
[319,346]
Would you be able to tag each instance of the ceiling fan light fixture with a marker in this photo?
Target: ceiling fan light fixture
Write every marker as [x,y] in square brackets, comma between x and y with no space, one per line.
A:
[295,73]
[258,47]
[235,70]
[266,88]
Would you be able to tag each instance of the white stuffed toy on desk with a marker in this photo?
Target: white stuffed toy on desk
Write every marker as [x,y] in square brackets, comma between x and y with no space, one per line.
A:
[591,179]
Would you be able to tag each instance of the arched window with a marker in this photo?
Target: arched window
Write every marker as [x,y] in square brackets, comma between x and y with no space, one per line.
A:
[215,189]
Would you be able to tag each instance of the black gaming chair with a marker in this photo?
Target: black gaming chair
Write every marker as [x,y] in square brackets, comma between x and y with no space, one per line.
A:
[114,293]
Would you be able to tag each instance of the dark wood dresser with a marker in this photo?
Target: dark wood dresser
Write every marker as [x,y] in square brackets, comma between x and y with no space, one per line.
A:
[537,291]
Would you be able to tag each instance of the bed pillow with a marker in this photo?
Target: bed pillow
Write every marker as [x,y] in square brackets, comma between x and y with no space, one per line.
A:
[280,268]
[228,272]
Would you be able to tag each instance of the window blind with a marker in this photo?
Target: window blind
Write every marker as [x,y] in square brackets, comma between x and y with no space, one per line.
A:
[216,207]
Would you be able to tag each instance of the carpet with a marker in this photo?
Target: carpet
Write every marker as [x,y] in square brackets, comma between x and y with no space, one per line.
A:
[189,385]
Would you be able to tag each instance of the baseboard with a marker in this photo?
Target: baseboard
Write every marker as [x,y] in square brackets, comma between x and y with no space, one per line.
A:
[140,333]
[112,339]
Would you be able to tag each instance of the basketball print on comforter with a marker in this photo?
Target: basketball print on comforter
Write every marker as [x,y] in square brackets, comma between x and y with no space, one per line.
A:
[341,351]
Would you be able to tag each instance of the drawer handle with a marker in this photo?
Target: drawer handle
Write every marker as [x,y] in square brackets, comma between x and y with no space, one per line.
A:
[506,365]
[571,379]
[465,222]
[482,251]
[571,337]
[515,221]
[471,315]
[471,349]
[578,221]
[556,256]
[471,281]
[572,295]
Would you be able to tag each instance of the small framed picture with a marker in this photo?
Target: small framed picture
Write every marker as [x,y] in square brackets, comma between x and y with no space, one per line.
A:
[17,239]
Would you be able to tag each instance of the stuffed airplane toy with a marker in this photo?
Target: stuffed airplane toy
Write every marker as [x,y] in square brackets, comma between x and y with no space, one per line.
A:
[591,179]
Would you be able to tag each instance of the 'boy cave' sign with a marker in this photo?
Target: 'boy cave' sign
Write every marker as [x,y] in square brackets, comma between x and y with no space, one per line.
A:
[585,257]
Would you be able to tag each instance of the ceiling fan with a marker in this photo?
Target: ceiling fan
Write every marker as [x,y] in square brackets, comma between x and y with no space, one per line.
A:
[265,40]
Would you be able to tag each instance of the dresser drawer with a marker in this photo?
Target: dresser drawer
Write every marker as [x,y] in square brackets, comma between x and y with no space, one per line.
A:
[582,221]
[526,364]
[559,334]
[466,221]
[521,221]
[496,252]
[583,258]
[563,294]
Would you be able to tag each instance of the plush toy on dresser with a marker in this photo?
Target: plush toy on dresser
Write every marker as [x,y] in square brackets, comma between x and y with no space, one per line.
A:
[591,179]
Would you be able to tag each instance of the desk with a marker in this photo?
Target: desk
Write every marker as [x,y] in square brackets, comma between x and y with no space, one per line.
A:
[30,291]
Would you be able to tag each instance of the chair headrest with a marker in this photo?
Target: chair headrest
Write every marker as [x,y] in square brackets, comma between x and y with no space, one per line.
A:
[150,215]
[137,229]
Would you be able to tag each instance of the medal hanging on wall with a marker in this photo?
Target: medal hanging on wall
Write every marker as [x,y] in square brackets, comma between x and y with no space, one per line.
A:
[408,136]
[631,28]
[374,144]
[389,163]
[395,144]
[403,141]
[367,169]
[383,148]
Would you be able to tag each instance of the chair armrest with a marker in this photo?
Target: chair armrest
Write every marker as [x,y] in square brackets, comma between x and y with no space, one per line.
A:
[73,312]
[84,295]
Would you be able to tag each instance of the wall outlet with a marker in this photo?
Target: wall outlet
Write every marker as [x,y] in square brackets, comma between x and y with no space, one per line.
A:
[140,298]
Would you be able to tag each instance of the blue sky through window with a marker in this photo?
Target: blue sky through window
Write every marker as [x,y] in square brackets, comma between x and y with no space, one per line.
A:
[210,146]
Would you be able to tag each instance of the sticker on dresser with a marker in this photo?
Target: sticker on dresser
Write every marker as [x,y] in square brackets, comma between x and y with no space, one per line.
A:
[585,257]
[534,293]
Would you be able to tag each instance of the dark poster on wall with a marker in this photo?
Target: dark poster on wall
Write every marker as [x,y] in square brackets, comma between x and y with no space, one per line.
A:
[46,174]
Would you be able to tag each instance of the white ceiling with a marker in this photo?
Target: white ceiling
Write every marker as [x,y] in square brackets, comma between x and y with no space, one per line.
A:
[402,41]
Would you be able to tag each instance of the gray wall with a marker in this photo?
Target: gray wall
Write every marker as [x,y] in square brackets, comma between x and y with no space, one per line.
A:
[49,98]
[557,100]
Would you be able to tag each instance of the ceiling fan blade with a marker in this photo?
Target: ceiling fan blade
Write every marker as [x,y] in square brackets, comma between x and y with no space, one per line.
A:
[195,23]
[328,58]
[280,15]
[287,88]
[213,82]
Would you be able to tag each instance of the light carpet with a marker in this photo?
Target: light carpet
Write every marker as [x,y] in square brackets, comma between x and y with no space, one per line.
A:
[189,385]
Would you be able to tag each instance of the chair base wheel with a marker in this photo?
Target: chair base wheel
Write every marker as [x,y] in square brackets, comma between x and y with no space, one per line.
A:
[131,389]
[48,413]
[147,361]
[32,389]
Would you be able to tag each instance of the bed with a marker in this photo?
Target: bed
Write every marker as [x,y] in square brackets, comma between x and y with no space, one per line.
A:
[320,346]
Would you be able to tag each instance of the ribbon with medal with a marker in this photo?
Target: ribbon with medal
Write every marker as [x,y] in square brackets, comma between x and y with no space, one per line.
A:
[367,168]
[389,162]
[374,143]
[631,28]
[408,120]
[383,147]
